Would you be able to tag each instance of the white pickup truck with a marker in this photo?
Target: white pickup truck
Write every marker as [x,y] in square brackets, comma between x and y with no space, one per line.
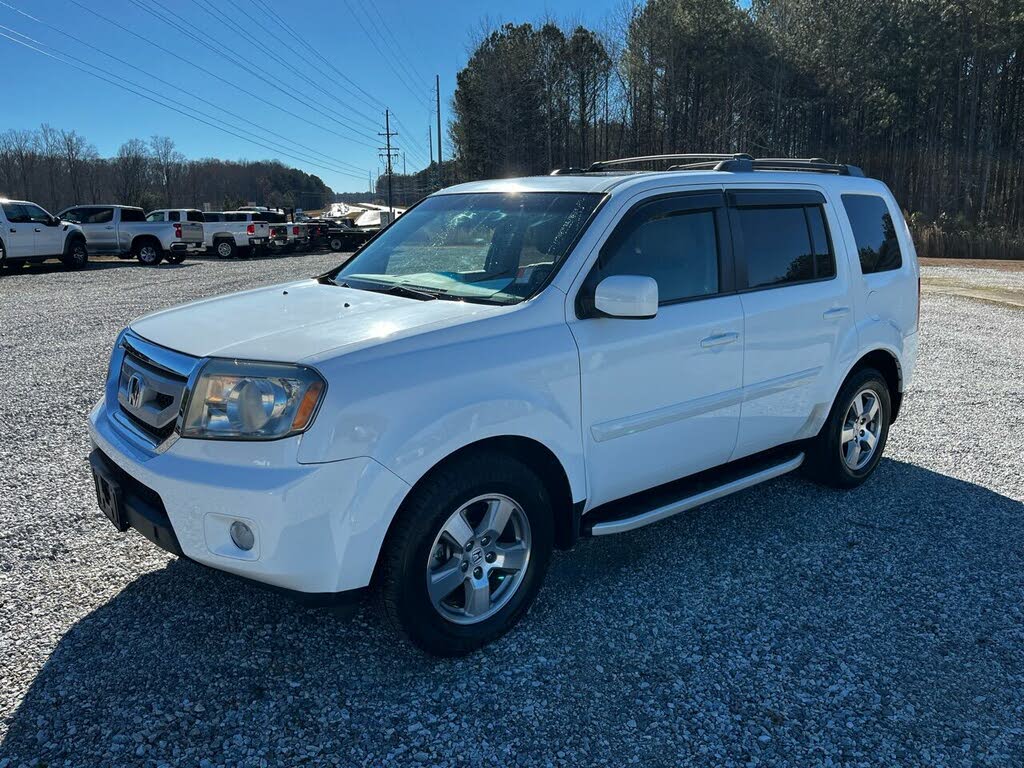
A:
[285,236]
[234,233]
[30,234]
[123,231]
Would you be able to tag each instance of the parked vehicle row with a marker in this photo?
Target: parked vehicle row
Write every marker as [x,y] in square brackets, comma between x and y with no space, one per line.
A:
[33,235]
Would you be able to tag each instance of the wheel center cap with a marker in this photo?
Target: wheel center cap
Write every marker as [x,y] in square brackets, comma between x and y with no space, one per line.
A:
[476,556]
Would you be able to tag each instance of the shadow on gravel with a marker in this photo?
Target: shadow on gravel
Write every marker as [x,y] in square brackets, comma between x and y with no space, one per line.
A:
[786,624]
[49,268]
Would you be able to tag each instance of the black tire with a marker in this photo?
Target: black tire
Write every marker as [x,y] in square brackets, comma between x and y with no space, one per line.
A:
[76,254]
[402,574]
[827,455]
[225,249]
[335,244]
[147,252]
[175,258]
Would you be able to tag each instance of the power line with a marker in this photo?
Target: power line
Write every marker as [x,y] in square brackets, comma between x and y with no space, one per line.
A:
[259,97]
[302,41]
[226,21]
[248,67]
[314,152]
[159,100]
[387,60]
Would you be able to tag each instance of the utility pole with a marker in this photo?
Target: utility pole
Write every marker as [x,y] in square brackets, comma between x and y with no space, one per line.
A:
[404,173]
[440,173]
[389,154]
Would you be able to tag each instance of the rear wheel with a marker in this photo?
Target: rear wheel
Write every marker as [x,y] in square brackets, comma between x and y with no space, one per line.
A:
[225,249]
[148,253]
[76,255]
[335,244]
[467,554]
[850,445]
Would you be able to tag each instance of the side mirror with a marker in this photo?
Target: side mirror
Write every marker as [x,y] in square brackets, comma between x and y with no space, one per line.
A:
[632,297]
[54,221]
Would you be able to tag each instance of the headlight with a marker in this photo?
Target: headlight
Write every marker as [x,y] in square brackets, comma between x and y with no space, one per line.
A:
[236,400]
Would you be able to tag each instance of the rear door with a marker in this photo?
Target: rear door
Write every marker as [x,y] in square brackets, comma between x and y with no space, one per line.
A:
[97,222]
[797,312]
[660,396]
[18,236]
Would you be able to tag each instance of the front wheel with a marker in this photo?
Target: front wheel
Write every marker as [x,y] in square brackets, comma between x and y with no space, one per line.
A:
[467,554]
[76,256]
[335,244]
[850,445]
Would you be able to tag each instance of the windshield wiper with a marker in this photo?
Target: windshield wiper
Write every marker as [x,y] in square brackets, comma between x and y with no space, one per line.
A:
[395,289]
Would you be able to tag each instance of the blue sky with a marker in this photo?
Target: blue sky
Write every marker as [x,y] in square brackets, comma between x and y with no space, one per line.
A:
[391,58]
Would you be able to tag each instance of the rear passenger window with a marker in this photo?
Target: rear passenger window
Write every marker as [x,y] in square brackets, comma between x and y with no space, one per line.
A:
[173,216]
[132,214]
[874,233]
[785,245]
[678,249]
[195,216]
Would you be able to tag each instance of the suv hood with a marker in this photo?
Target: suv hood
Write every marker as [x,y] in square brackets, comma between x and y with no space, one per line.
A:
[295,321]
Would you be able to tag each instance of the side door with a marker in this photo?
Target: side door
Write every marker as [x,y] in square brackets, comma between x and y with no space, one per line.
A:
[798,312]
[18,236]
[49,236]
[98,225]
[661,396]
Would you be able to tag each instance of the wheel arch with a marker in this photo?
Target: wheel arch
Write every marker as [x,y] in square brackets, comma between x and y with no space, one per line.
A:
[535,455]
[139,240]
[886,362]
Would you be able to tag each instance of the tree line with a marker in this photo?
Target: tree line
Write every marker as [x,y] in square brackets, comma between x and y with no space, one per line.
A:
[57,168]
[927,95]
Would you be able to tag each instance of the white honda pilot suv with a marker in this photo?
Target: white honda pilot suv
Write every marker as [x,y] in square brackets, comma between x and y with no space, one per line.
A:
[509,366]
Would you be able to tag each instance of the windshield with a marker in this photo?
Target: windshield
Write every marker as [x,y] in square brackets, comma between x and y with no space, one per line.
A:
[486,246]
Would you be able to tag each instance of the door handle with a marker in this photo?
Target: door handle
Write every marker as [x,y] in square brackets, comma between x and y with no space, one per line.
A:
[835,313]
[14,229]
[719,339]
[108,227]
[38,229]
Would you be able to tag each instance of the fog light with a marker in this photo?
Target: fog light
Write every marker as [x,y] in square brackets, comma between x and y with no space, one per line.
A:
[242,535]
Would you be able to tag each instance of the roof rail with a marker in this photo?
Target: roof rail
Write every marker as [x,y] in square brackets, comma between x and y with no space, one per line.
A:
[733,163]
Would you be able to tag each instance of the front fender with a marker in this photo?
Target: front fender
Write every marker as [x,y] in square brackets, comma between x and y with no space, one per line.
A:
[411,409]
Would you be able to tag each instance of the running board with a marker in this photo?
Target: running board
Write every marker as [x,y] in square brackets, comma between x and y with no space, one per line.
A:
[671,499]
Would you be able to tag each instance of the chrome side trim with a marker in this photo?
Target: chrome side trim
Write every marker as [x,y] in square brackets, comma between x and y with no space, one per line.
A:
[629,425]
[660,513]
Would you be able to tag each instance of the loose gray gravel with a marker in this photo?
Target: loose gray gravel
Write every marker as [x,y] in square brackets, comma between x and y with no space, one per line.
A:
[788,626]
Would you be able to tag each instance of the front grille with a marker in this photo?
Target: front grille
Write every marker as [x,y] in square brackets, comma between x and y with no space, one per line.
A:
[151,387]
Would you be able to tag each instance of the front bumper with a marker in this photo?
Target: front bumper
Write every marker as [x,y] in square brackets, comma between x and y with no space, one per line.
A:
[318,527]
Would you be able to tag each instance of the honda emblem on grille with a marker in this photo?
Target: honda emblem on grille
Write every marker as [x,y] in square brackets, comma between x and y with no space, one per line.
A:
[136,389]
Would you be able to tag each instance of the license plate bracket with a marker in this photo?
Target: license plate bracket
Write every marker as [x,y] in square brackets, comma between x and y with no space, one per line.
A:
[109,498]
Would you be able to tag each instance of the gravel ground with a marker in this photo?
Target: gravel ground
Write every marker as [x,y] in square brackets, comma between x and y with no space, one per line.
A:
[788,625]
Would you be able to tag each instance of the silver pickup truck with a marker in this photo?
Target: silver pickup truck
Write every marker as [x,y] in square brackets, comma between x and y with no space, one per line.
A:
[122,230]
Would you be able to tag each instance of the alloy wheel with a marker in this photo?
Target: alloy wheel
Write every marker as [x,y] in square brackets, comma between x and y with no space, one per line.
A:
[478,560]
[862,429]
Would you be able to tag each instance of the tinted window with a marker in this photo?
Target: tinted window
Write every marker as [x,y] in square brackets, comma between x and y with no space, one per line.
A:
[132,214]
[158,216]
[194,216]
[89,215]
[779,248]
[235,217]
[215,217]
[15,213]
[36,214]
[874,232]
[174,216]
[678,249]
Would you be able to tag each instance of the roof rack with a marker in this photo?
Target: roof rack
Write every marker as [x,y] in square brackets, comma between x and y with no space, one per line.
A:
[734,163]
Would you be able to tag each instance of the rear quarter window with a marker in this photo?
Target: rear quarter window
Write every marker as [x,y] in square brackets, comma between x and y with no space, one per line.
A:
[874,232]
